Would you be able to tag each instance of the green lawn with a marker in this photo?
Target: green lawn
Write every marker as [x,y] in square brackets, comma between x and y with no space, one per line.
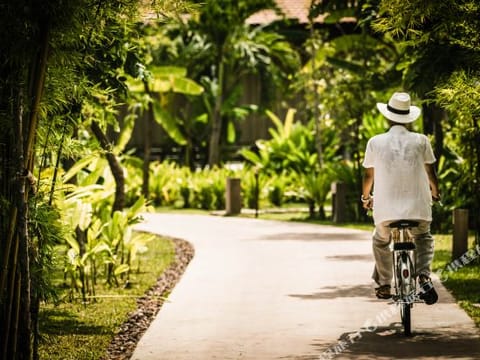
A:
[463,281]
[76,331]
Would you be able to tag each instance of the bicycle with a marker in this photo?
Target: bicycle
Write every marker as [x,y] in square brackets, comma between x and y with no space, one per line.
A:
[404,272]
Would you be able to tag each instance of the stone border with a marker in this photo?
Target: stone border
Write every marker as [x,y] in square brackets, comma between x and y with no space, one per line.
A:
[126,339]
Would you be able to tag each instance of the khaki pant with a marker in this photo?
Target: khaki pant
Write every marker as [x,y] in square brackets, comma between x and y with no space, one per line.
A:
[383,271]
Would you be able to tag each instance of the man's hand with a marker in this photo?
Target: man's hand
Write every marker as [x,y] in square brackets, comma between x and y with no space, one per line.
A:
[367,202]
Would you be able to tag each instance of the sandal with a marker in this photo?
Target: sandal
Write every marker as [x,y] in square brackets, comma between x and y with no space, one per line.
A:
[383,292]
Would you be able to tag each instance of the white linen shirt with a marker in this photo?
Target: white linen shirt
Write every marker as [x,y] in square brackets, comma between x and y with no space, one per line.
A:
[401,186]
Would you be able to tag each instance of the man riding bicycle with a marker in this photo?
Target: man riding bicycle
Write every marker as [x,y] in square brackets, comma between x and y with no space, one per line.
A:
[399,165]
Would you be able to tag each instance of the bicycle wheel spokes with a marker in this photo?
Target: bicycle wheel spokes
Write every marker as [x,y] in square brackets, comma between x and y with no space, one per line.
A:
[406,288]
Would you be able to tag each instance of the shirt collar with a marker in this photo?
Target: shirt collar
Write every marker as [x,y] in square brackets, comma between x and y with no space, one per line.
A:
[396,129]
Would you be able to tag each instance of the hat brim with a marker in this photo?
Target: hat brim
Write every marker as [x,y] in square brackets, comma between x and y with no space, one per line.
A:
[399,118]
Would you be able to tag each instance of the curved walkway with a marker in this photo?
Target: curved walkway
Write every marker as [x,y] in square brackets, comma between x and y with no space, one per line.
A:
[264,290]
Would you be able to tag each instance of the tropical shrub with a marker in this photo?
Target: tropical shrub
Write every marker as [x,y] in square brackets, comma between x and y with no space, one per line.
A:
[251,185]
[314,187]
[165,182]
[98,242]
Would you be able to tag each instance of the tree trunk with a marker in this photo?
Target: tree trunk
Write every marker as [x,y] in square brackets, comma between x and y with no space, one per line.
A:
[214,146]
[115,167]
[147,146]
[316,100]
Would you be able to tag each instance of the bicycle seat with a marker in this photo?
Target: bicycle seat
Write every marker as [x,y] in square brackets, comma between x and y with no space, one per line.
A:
[403,224]
[404,246]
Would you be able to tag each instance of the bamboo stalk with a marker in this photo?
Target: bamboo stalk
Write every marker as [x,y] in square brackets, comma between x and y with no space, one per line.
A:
[23,326]
[57,163]
[16,319]
[38,85]
[9,309]
[6,254]
[8,312]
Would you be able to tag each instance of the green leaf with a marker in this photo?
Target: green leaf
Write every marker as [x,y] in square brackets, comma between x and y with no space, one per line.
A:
[231,132]
[289,118]
[335,16]
[169,123]
[250,155]
[135,209]
[275,119]
[161,84]
[203,118]
[347,65]
[186,86]
[75,247]
[165,71]
[78,166]
[126,133]
[135,85]
[123,268]
[84,213]
[72,255]
[95,173]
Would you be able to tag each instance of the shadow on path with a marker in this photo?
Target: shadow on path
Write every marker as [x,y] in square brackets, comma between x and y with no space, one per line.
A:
[388,342]
[354,257]
[305,236]
[333,292]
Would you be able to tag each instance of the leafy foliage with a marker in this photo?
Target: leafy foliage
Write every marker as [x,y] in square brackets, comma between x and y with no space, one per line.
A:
[441,64]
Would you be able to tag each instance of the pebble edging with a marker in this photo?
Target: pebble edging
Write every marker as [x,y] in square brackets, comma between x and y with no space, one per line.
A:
[125,340]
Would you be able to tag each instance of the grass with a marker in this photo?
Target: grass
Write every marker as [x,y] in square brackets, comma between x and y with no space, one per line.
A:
[461,280]
[77,331]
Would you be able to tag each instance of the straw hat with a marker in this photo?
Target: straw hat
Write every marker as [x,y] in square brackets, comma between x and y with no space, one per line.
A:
[399,109]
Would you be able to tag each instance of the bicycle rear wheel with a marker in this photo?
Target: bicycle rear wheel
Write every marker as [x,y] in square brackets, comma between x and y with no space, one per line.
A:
[406,283]
[406,319]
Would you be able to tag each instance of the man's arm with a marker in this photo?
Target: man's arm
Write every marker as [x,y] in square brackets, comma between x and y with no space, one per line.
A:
[433,180]
[367,185]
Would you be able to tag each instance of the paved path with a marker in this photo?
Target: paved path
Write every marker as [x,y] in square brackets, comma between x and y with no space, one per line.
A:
[264,290]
